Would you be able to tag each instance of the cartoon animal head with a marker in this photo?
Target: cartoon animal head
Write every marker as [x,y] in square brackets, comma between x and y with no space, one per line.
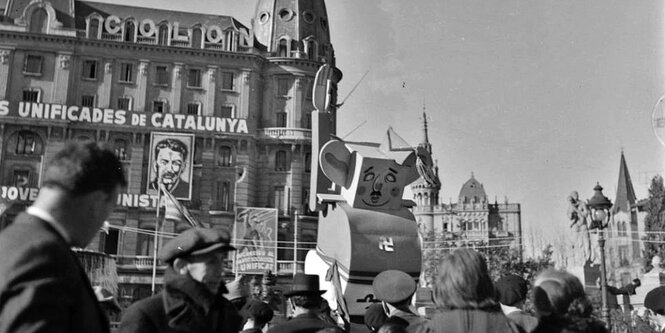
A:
[371,178]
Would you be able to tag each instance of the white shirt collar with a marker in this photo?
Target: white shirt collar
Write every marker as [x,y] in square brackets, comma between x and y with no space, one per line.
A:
[509,309]
[44,215]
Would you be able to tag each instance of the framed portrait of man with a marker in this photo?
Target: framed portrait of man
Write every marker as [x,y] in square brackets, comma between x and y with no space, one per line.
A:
[171,160]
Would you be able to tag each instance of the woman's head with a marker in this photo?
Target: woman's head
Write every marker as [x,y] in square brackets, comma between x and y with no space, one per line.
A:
[558,293]
[463,281]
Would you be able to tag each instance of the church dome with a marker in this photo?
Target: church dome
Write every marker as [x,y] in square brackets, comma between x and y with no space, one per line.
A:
[472,192]
[293,29]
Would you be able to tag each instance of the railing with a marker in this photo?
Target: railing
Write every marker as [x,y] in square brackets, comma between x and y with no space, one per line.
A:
[114,37]
[146,40]
[180,43]
[286,133]
[286,266]
[138,262]
[214,46]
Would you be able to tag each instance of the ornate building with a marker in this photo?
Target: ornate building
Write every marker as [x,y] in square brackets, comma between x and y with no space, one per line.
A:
[472,219]
[78,70]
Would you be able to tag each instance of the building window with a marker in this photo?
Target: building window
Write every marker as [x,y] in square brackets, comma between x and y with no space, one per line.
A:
[227,111]
[130,28]
[282,48]
[280,119]
[197,38]
[283,86]
[21,178]
[33,64]
[26,143]
[281,164]
[308,162]
[108,241]
[31,95]
[194,108]
[39,20]
[194,78]
[93,29]
[90,69]
[125,103]
[163,35]
[224,195]
[121,150]
[88,100]
[225,156]
[227,81]
[161,76]
[308,120]
[280,199]
[158,106]
[126,72]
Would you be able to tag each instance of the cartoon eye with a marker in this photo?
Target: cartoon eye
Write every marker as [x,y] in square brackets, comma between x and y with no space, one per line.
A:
[390,178]
[368,177]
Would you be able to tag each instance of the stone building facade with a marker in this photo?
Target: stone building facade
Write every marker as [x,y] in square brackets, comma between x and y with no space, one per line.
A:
[78,70]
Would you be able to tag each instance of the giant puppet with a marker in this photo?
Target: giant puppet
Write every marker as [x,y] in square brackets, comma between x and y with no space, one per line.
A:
[365,227]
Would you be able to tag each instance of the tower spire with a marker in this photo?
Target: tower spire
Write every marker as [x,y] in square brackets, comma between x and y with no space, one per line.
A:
[425,142]
[625,191]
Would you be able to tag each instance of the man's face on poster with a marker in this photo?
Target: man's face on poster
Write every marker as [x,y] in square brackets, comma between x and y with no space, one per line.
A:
[169,165]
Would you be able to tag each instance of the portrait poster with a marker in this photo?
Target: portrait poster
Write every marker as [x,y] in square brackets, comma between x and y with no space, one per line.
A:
[255,239]
[171,160]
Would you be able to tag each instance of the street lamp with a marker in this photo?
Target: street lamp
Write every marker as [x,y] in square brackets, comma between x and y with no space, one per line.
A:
[600,205]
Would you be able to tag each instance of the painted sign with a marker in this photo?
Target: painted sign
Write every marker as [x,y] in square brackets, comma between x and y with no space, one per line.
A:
[117,117]
[255,238]
[29,194]
[171,160]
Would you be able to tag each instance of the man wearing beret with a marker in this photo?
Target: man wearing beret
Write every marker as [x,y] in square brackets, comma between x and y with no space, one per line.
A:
[395,290]
[191,300]
[305,301]
[655,301]
[510,292]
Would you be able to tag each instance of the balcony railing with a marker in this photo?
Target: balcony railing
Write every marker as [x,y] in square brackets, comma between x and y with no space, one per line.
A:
[286,266]
[286,133]
[137,262]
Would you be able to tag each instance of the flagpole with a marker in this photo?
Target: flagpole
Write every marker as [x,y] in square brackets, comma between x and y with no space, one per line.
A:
[154,247]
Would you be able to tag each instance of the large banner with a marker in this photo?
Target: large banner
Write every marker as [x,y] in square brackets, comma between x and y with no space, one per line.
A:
[171,160]
[117,117]
[255,238]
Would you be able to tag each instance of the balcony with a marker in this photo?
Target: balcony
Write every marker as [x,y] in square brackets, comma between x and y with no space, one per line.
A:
[137,262]
[286,133]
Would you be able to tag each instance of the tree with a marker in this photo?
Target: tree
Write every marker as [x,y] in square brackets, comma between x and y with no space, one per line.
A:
[654,222]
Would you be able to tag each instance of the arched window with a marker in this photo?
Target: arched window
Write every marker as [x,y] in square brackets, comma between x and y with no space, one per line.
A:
[282,48]
[163,35]
[26,143]
[130,31]
[311,50]
[228,40]
[39,20]
[225,156]
[93,29]
[197,38]
[281,164]
[295,46]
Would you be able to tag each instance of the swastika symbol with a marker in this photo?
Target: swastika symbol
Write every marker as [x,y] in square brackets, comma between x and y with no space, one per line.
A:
[386,244]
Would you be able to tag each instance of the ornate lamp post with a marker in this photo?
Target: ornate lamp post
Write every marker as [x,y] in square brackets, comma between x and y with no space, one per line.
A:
[600,205]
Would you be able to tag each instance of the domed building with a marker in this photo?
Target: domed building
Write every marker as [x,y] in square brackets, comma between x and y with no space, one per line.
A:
[471,219]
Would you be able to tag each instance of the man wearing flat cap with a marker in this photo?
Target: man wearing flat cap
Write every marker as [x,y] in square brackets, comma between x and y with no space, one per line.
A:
[191,300]
[510,292]
[305,301]
[655,301]
[395,290]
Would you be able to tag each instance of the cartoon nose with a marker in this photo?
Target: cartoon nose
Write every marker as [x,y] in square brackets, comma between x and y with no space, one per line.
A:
[377,185]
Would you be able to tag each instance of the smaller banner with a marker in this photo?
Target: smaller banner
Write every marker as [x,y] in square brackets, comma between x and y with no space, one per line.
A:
[255,239]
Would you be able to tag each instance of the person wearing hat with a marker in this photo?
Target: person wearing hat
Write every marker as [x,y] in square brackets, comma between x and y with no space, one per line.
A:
[655,301]
[256,314]
[395,290]
[305,301]
[510,291]
[191,300]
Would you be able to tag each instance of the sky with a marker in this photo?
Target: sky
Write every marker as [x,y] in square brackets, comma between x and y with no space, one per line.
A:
[535,98]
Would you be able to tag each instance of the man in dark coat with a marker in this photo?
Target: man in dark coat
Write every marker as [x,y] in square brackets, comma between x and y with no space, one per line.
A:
[191,300]
[43,287]
[510,291]
[395,290]
[305,301]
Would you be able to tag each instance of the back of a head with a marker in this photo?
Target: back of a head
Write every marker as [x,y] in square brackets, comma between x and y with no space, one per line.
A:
[258,311]
[392,328]
[375,317]
[558,293]
[463,281]
[510,289]
[84,167]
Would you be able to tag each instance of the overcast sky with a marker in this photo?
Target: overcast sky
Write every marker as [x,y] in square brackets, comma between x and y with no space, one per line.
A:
[536,98]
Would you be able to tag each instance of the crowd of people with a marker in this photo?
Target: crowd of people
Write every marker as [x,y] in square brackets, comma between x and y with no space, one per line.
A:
[43,287]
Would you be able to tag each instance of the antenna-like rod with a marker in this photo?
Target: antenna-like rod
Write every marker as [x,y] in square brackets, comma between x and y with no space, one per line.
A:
[353,89]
